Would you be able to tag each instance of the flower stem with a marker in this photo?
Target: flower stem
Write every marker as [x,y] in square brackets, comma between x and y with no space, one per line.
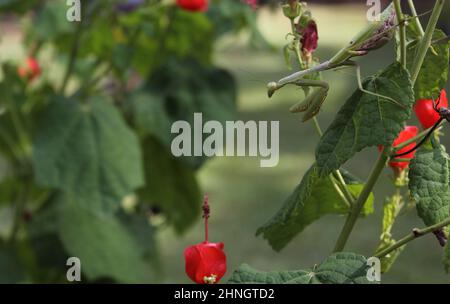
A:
[425,43]
[402,31]
[416,233]
[359,204]
[206,212]
[72,58]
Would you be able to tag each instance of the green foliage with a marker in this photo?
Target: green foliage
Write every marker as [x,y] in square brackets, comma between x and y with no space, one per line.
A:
[366,120]
[104,245]
[434,72]
[171,185]
[339,268]
[87,150]
[429,183]
[313,198]
[75,154]
[10,269]
[391,210]
[172,94]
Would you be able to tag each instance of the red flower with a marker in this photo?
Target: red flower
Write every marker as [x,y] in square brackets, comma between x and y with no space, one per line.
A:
[31,70]
[206,263]
[193,5]
[310,37]
[252,3]
[408,133]
[425,112]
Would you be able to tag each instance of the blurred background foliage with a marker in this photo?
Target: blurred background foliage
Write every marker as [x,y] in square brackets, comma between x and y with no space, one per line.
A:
[134,74]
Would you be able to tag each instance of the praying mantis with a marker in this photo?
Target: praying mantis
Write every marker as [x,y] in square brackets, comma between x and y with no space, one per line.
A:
[374,36]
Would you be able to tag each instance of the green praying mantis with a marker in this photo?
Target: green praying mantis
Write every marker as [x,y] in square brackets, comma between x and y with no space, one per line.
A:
[374,36]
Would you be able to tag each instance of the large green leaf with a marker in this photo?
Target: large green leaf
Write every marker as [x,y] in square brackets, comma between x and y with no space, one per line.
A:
[104,245]
[87,150]
[434,72]
[366,120]
[339,268]
[313,198]
[166,99]
[11,270]
[429,183]
[171,185]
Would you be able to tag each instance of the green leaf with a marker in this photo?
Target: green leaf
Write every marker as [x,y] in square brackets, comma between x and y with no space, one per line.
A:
[104,245]
[366,120]
[339,268]
[313,198]
[11,270]
[87,150]
[391,209]
[211,92]
[429,183]
[434,72]
[248,275]
[171,185]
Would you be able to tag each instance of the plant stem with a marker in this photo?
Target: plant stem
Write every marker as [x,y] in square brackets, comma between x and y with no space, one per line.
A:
[402,31]
[338,181]
[425,43]
[415,17]
[20,206]
[416,233]
[359,204]
[72,58]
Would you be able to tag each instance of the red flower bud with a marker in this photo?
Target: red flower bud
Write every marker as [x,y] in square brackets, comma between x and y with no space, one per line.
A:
[31,70]
[425,112]
[252,3]
[193,5]
[206,263]
[310,37]
[408,133]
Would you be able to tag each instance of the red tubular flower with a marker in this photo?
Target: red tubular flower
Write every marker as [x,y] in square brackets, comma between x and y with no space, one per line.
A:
[425,112]
[408,133]
[193,5]
[310,38]
[206,263]
[252,3]
[31,70]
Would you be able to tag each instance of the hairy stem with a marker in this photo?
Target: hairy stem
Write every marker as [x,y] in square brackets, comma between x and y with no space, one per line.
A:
[72,58]
[359,204]
[415,17]
[416,233]
[425,43]
[402,32]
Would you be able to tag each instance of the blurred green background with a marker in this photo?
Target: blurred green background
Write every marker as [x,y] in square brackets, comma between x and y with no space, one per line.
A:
[244,196]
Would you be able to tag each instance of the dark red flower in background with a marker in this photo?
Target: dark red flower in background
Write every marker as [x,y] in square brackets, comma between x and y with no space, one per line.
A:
[206,263]
[30,70]
[425,112]
[310,37]
[408,133]
[252,3]
[193,5]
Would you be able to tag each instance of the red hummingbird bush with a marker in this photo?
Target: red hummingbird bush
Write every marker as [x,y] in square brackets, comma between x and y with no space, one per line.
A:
[376,114]
[425,112]
[30,70]
[193,5]
[206,263]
